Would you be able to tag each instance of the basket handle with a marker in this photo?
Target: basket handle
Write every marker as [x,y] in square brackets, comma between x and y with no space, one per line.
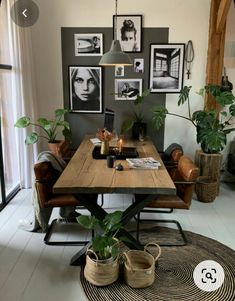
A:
[158,248]
[94,253]
[128,260]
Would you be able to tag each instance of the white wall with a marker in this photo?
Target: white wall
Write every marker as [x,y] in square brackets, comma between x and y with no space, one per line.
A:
[229,63]
[186,19]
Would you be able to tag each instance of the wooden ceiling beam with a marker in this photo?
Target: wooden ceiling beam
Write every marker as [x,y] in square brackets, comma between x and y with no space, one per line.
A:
[222,14]
[215,55]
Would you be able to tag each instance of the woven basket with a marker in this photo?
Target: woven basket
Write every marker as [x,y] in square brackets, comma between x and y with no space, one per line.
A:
[206,189]
[139,267]
[100,272]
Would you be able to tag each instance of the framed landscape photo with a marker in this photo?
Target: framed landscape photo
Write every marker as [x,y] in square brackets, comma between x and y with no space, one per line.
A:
[128,30]
[88,44]
[128,88]
[85,87]
[166,67]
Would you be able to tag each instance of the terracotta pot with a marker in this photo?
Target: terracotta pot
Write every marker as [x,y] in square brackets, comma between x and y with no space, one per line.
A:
[59,147]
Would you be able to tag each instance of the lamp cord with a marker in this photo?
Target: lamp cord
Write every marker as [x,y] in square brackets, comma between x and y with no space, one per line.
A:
[189,57]
[115,28]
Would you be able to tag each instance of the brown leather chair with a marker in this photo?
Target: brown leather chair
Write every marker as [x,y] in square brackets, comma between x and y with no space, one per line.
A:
[184,179]
[45,178]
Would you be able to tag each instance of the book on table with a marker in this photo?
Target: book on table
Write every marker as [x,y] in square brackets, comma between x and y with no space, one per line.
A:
[143,163]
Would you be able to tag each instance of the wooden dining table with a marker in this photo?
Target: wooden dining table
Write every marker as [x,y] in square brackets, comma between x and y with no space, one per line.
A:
[86,178]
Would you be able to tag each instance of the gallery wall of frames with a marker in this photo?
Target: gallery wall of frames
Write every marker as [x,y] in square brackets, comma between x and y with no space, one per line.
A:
[157,65]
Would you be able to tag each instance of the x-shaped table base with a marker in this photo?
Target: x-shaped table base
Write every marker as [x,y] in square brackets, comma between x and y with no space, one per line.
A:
[89,201]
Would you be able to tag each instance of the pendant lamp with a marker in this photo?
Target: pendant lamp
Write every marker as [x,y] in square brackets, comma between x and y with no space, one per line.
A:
[115,56]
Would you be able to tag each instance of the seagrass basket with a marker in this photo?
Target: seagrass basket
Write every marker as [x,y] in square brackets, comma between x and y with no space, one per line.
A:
[100,272]
[206,189]
[139,267]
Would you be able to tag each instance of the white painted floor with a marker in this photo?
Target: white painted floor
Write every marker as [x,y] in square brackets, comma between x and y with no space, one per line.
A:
[32,271]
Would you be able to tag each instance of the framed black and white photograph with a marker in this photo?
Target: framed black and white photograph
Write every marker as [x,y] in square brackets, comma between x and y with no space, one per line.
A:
[128,31]
[85,85]
[119,71]
[128,88]
[88,44]
[139,65]
[166,67]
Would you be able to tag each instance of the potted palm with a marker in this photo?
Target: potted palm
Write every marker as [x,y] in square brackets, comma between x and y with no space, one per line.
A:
[50,129]
[102,266]
[136,121]
[211,129]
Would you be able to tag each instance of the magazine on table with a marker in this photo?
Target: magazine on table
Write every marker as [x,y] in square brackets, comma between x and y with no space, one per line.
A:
[143,163]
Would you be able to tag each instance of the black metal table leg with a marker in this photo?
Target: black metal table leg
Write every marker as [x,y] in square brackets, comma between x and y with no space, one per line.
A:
[80,257]
[90,202]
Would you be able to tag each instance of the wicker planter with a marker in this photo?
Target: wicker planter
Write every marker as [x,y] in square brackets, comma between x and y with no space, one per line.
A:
[100,272]
[206,189]
[139,267]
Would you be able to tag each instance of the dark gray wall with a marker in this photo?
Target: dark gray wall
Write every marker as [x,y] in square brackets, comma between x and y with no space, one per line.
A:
[82,124]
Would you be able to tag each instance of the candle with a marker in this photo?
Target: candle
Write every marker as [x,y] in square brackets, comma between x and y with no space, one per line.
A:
[120,143]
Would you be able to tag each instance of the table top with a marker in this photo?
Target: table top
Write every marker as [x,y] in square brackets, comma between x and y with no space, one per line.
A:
[83,174]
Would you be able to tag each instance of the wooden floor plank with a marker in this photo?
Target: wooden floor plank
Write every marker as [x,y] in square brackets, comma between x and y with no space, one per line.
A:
[30,270]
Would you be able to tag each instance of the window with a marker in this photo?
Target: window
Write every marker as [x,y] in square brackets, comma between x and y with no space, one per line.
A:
[9,174]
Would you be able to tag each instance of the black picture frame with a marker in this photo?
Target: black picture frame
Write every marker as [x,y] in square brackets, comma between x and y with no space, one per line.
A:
[131,24]
[166,67]
[81,79]
[88,44]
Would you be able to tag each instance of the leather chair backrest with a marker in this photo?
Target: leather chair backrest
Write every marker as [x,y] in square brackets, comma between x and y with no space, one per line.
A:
[45,178]
[176,154]
[186,170]
[172,164]
[185,177]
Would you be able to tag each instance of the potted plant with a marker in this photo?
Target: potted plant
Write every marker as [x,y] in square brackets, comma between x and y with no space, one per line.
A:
[49,127]
[136,121]
[102,266]
[211,128]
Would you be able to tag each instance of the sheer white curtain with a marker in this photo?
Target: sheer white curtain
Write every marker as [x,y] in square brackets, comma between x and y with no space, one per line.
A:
[21,89]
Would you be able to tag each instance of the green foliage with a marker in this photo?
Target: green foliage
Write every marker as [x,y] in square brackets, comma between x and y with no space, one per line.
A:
[104,244]
[49,127]
[211,131]
[184,95]
[159,115]
[137,114]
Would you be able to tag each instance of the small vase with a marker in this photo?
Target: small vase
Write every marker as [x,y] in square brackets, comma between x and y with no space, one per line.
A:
[104,150]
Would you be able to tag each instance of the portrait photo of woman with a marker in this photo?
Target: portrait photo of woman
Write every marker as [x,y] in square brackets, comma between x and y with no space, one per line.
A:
[85,89]
[129,32]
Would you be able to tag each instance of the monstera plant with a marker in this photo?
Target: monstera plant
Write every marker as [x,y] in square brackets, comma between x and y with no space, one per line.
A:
[212,128]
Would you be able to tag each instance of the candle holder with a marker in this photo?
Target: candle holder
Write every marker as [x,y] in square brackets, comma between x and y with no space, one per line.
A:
[120,145]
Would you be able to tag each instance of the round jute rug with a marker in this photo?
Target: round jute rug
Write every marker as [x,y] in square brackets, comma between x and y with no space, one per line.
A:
[174,273]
